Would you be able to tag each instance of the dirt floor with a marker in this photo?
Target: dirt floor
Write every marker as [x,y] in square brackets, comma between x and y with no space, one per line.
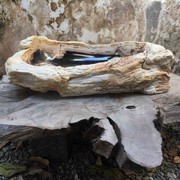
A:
[83,164]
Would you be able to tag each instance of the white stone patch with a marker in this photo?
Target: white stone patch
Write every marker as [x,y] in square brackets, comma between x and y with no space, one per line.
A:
[56,1]
[77,15]
[58,12]
[25,4]
[103,3]
[54,25]
[47,30]
[65,26]
[88,36]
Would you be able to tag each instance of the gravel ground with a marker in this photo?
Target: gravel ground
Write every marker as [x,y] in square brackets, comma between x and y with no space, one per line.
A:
[83,164]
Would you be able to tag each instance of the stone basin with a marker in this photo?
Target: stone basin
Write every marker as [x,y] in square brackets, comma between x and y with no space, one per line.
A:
[132,66]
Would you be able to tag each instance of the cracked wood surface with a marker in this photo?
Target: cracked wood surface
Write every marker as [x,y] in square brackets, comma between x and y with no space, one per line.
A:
[131,117]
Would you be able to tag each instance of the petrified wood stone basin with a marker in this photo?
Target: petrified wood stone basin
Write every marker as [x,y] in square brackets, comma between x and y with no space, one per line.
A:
[121,67]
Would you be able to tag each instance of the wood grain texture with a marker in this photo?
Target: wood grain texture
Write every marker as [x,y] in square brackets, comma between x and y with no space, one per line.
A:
[140,67]
[50,111]
[107,141]
[126,120]
[12,93]
[140,139]
[169,103]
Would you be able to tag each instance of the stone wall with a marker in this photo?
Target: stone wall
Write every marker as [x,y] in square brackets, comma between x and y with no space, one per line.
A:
[92,21]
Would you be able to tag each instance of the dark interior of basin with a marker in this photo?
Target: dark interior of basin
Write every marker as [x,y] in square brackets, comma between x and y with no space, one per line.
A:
[69,59]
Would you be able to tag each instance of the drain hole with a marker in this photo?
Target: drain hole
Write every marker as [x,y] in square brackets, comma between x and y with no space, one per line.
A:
[130,107]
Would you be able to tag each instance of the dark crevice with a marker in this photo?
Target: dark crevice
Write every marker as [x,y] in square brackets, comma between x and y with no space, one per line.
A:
[158,122]
[131,107]
[178,104]
[69,58]
[116,128]
[118,154]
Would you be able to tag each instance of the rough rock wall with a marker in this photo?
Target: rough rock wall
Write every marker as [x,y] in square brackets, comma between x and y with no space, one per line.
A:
[92,21]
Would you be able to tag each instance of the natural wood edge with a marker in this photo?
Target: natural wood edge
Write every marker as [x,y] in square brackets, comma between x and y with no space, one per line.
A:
[142,67]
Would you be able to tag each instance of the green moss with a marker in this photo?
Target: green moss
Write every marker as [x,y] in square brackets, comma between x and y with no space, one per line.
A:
[30,18]
[4,23]
[2,30]
[15,1]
